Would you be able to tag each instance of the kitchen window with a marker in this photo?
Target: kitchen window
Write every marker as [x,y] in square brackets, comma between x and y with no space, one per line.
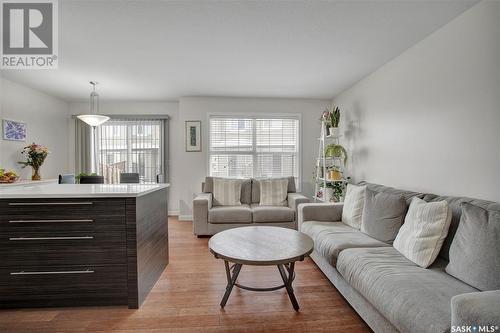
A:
[131,145]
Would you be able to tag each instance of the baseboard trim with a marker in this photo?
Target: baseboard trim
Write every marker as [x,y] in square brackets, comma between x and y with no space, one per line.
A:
[185,217]
[174,213]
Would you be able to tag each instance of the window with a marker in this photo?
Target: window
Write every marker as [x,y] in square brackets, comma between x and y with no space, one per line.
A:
[254,147]
[131,146]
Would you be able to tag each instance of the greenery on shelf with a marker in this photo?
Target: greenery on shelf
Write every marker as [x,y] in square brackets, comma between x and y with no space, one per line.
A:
[335,117]
[338,189]
[331,117]
[77,178]
[336,150]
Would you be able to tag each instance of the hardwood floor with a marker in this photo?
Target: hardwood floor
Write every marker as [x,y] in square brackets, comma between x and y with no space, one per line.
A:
[186,299]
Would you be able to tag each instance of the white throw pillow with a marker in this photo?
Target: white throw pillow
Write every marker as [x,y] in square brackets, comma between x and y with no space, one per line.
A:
[352,213]
[421,236]
[227,192]
[273,192]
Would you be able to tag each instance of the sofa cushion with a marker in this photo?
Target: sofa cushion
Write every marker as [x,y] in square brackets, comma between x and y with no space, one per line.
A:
[475,250]
[230,214]
[256,188]
[456,209]
[354,202]
[330,238]
[408,195]
[273,192]
[383,215]
[453,202]
[423,233]
[227,192]
[262,214]
[412,298]
[246,189]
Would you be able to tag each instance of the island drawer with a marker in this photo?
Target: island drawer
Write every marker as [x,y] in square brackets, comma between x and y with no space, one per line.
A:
[57,247]
[60,209]
[63,285]
[18,225]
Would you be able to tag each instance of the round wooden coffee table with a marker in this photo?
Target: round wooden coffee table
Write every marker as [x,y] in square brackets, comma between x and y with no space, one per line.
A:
[261,246]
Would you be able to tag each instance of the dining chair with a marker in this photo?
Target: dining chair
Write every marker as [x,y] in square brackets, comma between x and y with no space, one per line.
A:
[160,178]
[129,178]
[91,180]
[67,179]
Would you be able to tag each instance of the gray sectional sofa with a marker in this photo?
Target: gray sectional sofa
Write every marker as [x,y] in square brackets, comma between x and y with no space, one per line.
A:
[209,219]
[391,293]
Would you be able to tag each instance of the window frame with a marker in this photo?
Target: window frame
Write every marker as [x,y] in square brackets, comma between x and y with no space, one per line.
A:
[253,152]
[164,137]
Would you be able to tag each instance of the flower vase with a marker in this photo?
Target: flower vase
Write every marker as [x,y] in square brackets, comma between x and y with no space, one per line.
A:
[36,174]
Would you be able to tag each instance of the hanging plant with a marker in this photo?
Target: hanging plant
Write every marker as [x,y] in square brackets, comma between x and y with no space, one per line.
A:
[337,151]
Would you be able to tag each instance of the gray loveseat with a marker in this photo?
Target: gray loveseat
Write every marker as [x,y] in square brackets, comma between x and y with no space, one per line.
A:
[209,219]
[391,293]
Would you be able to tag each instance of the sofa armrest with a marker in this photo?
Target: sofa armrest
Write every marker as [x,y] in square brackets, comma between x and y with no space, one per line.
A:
[476,309]
[324,212]
[201,204]
[295,199]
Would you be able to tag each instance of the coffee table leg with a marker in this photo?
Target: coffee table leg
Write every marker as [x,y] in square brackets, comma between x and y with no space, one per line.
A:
[231,280]
[287,280]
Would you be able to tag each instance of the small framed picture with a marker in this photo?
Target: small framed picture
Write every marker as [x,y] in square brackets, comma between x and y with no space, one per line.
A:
[193,135]
[14,130]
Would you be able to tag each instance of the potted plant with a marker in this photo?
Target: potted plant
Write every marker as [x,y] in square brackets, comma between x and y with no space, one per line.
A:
[334,173]
[329,192]
[336,151]
[334,121]
[77,178]
[338,190]
[35,156]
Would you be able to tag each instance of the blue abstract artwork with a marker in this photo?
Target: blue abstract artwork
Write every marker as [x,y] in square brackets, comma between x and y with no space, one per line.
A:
[14,130]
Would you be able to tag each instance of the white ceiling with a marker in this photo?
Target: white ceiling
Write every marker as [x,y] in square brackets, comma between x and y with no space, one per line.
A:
[163,50]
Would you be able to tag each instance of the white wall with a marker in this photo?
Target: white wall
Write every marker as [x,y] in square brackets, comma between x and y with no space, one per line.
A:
[46,119]
[193,165]
[188,170]
[429,120]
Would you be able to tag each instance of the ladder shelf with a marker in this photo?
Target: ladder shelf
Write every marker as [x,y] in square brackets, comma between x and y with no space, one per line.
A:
[324,164]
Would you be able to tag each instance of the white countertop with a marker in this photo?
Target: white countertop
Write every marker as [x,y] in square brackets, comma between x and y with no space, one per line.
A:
[49,190]
[29,182]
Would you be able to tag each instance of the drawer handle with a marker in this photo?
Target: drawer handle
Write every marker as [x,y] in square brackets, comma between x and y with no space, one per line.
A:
[50,203]
[48,221]
[88,271]
[49,238]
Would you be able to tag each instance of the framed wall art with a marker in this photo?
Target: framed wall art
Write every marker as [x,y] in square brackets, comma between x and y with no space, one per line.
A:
[193,135]
[14,130]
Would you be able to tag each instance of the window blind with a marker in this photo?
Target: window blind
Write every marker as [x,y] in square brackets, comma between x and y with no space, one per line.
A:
[254,147]
[130,145]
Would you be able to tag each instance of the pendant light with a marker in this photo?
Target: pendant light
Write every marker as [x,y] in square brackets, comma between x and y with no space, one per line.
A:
[93,118]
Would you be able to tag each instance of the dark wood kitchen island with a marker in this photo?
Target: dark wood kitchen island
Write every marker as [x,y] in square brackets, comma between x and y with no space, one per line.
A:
[83,244]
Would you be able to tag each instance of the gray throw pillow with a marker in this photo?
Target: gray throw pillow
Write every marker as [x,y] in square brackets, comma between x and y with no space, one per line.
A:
[383,215]
[475,249]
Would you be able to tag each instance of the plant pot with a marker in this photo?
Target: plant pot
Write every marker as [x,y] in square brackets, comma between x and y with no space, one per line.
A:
[335,175]
[36,174]
[334,131]
[328,194]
